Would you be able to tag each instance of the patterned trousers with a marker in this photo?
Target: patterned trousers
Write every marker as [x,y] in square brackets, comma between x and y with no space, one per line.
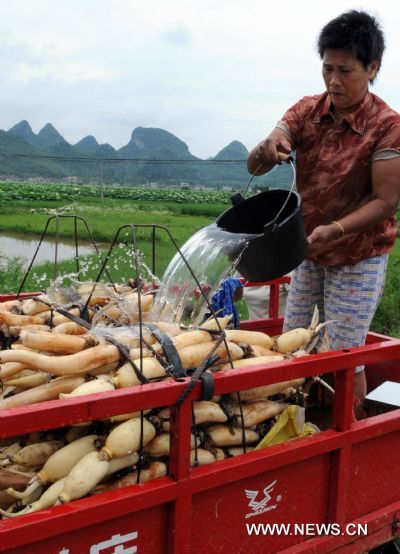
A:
[348,294]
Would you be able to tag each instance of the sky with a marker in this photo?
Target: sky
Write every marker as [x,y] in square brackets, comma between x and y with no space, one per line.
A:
[208,71]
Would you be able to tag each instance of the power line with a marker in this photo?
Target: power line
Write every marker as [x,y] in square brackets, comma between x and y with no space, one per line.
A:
[117,160]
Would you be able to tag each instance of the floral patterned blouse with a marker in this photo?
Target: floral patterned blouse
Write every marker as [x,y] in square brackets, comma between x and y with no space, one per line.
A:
[334,169]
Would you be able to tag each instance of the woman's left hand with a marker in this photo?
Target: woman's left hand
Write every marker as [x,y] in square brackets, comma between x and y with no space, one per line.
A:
[323,234]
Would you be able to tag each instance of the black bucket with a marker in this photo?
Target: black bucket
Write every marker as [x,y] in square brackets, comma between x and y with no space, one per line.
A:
[278,243]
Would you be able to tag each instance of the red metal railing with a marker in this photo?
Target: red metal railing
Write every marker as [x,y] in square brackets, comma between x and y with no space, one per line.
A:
[348,473]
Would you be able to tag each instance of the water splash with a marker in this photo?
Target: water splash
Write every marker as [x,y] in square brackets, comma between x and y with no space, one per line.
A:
[74,289]
[62,291]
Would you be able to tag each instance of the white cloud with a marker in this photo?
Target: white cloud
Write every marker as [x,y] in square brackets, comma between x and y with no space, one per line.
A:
[210,72]
[178,34]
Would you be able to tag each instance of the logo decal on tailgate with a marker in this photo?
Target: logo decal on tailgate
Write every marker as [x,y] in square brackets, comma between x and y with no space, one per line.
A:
[258,500]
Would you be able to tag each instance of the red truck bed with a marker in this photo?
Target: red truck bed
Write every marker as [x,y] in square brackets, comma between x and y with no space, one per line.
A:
[335,491]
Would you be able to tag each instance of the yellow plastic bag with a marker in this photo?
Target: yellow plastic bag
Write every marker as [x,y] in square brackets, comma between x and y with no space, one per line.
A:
[290,425]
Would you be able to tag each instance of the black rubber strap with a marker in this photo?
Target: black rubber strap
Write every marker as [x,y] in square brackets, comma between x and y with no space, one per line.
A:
[208,386]
[169,348]
[79,320]
[124,351]
[199,371]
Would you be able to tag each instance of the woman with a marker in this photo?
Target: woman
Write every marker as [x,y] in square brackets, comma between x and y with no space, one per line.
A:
[347,143]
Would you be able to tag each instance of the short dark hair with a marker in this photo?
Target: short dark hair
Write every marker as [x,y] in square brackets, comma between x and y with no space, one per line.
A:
[357,32]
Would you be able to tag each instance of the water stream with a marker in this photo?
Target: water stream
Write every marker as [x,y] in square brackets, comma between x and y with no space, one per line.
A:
[212,255]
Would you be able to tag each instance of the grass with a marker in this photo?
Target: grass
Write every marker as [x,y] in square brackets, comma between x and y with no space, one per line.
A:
[387,317]
[11,272]
[103,220]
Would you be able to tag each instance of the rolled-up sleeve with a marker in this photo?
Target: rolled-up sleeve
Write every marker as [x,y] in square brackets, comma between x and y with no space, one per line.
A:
[292,121]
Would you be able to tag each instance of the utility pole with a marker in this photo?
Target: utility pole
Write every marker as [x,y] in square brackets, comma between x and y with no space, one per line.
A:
[101,181]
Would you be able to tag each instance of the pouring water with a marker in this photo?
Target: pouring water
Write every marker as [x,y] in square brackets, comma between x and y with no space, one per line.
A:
[208,257]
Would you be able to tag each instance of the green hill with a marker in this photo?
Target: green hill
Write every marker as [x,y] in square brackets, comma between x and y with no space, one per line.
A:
[155,143]
[19,158]
[151,155]
[234,151]
[24,131]
[87,145]
[48,137]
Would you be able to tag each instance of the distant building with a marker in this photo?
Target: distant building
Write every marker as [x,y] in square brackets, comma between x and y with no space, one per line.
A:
[71,179]
[10,178]
[185,186]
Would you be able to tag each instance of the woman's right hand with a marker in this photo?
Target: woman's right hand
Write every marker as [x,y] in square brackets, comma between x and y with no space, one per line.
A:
[271,151]
[274,149]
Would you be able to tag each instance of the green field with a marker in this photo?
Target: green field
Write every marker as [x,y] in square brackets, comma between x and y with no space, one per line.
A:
[175,211]
[174,221]
[39,192]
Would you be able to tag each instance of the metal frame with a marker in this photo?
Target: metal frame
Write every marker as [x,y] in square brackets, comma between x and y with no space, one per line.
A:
[57,218]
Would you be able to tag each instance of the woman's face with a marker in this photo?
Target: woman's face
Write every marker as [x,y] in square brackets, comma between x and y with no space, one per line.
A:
[346,79]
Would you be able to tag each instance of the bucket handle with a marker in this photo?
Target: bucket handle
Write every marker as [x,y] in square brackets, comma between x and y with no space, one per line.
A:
[272,226]
[238,198]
